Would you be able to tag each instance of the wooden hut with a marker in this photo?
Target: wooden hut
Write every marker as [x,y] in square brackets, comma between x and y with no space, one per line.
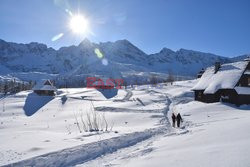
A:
[226,83]
[45,87]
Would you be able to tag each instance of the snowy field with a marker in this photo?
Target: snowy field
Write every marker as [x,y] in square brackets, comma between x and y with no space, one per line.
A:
[44,131]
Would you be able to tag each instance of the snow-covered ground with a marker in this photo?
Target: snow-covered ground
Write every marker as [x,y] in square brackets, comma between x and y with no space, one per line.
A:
[138,134]
[217,135]
[33,125]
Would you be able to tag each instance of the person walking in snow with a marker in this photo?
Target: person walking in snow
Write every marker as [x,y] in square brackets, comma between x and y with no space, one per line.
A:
[173,119]
[178,119]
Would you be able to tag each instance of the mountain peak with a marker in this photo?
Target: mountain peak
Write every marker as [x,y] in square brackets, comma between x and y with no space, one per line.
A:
[166,50]
[124,42]
[86,43]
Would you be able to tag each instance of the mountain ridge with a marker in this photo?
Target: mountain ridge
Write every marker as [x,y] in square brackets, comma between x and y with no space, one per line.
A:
[121,56]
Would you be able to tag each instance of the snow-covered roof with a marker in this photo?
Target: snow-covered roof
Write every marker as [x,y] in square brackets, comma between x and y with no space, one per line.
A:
[203,82]
[247,72]
[243,90]
[226,78]
[44,85]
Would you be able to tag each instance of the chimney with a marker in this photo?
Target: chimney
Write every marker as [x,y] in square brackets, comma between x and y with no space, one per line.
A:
[217,66]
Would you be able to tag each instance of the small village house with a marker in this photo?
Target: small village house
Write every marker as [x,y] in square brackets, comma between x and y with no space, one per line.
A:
[45,87]
[227,83]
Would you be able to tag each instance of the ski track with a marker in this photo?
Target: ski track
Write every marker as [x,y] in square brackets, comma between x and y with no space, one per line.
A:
[144,147]
[140,149]
[87,152]
[116,109]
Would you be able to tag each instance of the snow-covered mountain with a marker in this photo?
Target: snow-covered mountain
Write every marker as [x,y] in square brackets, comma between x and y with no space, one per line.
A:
[183,62]
[34,61]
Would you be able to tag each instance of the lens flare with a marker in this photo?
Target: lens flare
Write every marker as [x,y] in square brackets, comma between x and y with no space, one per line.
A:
[98,53]
[105,61]
[69,12]
[78,24]
[56,37]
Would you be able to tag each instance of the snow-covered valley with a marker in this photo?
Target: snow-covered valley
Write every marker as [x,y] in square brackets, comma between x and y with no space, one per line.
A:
[139,131]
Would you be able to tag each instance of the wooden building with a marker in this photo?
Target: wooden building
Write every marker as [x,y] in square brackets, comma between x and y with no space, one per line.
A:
[227,83]
[45,87]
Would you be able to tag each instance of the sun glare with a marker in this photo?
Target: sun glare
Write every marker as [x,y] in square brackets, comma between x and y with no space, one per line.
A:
[78,24]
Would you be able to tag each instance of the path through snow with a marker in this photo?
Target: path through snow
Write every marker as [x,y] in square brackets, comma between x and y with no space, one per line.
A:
[90,151]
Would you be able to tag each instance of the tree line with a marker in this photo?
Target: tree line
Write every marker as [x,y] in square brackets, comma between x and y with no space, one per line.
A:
[13,86]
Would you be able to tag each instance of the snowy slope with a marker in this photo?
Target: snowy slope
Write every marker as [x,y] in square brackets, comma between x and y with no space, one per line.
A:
[213,135]
[43,130]
[32,125]
[217,136]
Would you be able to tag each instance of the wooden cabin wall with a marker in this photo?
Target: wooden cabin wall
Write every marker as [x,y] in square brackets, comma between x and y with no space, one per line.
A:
[244,78]
[243,99]
[207,98]
[198,95]
[211,98]
[232,96]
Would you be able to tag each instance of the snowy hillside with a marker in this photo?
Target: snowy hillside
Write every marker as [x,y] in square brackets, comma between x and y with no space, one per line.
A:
[183,61]
[120,56]
[49,131]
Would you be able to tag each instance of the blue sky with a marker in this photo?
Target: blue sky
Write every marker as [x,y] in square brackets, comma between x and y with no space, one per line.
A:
[216,26]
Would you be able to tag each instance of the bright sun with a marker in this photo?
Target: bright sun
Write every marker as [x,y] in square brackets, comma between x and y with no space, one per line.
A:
[78,24]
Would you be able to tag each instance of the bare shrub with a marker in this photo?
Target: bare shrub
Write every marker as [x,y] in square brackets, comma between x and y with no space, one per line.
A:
[92,121]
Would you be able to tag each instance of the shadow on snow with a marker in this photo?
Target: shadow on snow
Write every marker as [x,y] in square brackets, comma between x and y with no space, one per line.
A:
[34,102]
[108,93]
